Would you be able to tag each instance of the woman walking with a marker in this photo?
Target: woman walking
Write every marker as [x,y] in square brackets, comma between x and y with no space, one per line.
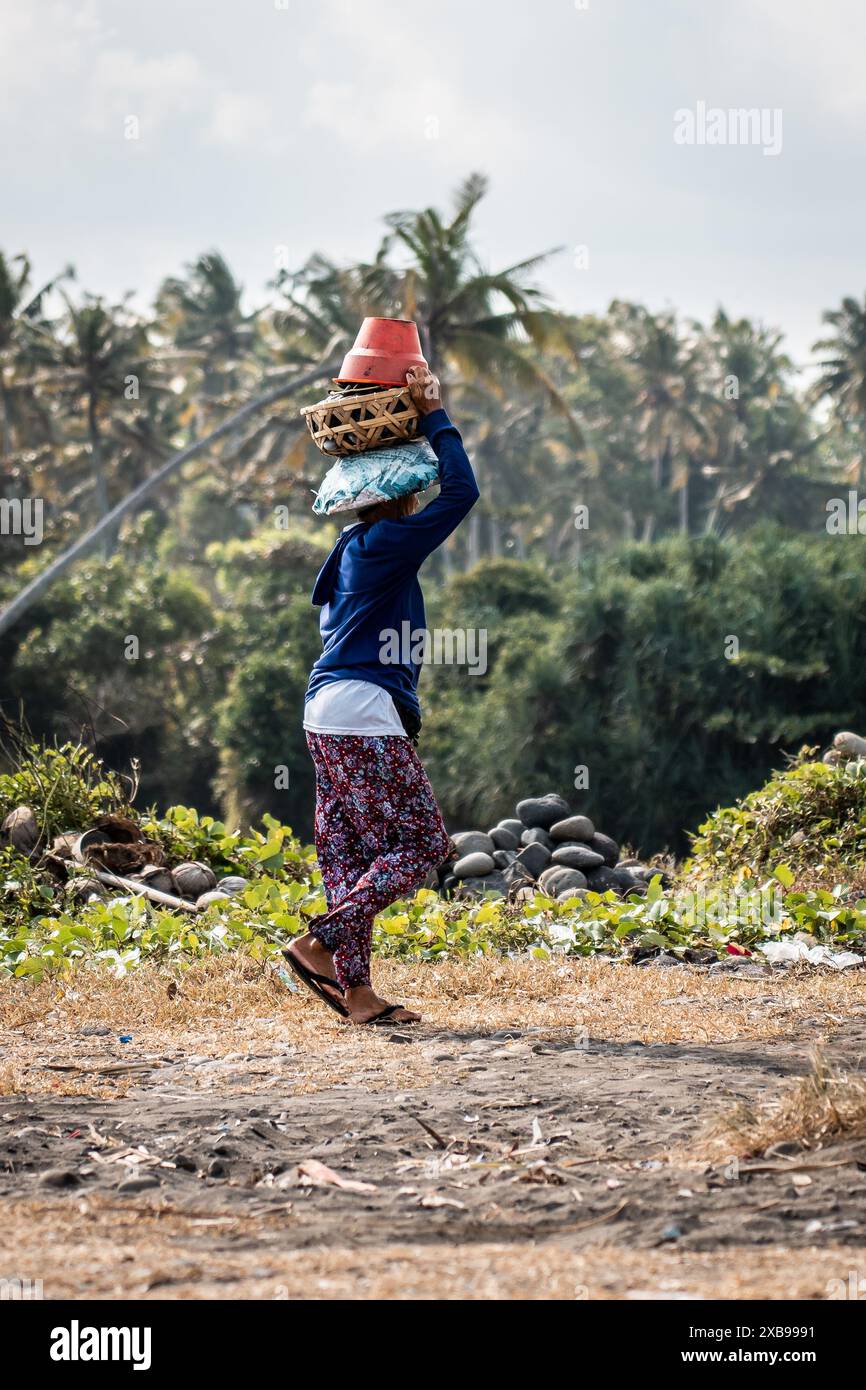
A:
[379,830]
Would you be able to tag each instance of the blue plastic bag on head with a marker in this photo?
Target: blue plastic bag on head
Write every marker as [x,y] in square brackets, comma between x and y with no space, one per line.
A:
[362,480]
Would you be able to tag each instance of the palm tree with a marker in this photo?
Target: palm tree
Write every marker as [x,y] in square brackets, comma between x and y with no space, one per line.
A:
[21,309]
[94,366]
[673,408]
[528,472]
[474,320]
[323,303]
[109,524]
[842,377]
[202,317]
[239,356]
[763,456]
[474,325]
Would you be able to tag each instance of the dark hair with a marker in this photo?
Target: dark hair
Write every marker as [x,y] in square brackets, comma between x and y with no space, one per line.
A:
[392,510]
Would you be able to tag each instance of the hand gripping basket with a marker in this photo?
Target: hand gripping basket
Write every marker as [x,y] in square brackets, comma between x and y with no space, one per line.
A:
[355,418]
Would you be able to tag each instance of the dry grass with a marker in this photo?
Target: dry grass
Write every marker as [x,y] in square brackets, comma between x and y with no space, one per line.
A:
[101,1249]
[237,1011]
[811,877]
[822,1108]
[616,1001]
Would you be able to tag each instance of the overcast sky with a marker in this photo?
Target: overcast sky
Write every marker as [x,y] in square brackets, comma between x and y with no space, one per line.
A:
[298,123]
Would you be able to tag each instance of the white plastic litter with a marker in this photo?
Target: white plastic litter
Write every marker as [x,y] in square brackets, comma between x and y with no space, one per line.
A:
[780,952]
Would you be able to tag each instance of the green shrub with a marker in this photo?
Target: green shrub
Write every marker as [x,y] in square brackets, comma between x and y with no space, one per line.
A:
[812,814]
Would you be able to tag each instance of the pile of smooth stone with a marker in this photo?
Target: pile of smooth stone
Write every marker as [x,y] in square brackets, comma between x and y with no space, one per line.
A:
[543,848]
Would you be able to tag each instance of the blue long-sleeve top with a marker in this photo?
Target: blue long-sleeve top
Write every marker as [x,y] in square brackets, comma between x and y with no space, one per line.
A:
[368,587]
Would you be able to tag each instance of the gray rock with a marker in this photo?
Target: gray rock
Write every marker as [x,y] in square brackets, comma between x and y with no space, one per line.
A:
[503,857]
[602,880]
[573,828]
[606,847]
[473,842]
[139,1182]
[740,965]
[627,881]
[542,811]
[558,879]
[516,875]
[503,838]
[516,827]
[786,1148]
[567,893]
[474,865]
[449,883]
[534,858]
[577,856]
[469,888]
[525,894]
[536,836]
[59,1177]
[493,883]
[660,962]
[645,873]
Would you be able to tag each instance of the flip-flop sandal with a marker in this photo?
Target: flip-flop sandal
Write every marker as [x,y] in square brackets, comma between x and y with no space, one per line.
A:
[315,983]
[385,1018]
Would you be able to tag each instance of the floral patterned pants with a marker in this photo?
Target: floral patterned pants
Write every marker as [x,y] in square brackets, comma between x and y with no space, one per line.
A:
[379,833]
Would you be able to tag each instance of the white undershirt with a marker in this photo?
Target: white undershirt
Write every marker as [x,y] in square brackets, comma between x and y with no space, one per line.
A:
[353,707]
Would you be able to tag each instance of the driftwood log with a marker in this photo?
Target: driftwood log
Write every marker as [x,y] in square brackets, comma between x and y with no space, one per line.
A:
[141,890]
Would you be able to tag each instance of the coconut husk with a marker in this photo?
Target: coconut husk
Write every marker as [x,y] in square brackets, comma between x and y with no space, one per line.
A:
[124,858]
[80,889]
[63,846]
[56,866]
[155,877]
[20,829]
[119,829]
[193,878]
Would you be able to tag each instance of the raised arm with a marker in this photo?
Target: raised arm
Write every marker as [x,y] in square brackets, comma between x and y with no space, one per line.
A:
[413,538]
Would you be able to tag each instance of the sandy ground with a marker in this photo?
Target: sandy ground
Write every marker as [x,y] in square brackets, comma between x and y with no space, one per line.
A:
[547,1132]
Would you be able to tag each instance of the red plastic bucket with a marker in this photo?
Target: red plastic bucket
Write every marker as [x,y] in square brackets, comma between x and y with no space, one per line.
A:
[384,351]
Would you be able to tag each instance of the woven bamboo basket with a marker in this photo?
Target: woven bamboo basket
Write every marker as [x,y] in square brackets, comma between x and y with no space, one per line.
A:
[356,419]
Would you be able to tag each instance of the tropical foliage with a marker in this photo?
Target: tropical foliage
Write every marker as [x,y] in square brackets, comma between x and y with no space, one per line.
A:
[598,439]
[43,931]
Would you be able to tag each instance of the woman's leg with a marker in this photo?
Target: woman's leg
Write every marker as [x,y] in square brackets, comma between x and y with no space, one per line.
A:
[341,858]
[338,849]
[341,862]
[385,796]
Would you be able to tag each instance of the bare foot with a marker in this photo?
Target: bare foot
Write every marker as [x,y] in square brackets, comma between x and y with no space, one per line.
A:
[311,953]
[363,1004]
